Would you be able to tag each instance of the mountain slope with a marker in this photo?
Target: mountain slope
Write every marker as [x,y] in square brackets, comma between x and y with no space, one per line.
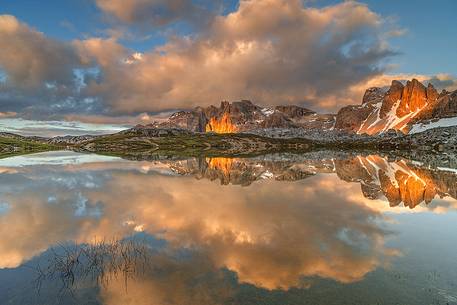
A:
[399,108]
[244,116]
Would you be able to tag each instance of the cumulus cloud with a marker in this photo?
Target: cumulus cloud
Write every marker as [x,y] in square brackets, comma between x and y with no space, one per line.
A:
[444,81]
[37,72]
[61,128]
[270,51]
[31,59]
[142,118]
[253,232]
[159,12]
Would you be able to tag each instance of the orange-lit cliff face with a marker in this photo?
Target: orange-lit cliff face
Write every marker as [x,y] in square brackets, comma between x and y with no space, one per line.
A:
[222,125]
[400,108]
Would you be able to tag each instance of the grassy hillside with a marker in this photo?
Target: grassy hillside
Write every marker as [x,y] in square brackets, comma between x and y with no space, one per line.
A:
[124,144]
[12,146]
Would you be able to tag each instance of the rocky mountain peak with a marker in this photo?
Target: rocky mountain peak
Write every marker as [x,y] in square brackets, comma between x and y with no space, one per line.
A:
[432,93]
[294,111]
[398,108]
[392,96]
[373,95]
[408,99]
[244,115]
[413,98]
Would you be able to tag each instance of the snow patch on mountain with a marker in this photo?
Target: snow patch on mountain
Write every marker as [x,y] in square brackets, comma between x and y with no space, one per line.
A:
[445,122]
[267,111]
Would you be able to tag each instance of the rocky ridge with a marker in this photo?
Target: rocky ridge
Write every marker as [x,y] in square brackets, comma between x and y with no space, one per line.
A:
[243,116]
[400,107]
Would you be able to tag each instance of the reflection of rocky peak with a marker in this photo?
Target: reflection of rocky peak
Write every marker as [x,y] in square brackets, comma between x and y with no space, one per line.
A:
[399,108]
[398,181]
[246,171]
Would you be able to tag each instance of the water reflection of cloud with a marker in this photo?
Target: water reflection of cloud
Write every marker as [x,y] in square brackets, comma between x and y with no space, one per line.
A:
[288,230]
[272,235]
[4,207]
[285,230]
[193,280]
[42,211]
[54,158]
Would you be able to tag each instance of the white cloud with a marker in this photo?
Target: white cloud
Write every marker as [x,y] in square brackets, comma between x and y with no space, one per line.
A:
[269,51]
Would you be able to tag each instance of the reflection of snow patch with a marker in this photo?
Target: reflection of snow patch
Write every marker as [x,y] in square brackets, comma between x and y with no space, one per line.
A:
[267,111]
[139,228]
[266,175]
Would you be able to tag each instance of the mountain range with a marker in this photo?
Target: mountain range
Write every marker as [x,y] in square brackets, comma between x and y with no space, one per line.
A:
[402,119]
[410,107]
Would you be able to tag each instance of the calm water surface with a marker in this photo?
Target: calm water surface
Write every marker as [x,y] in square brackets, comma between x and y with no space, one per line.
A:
[277,229]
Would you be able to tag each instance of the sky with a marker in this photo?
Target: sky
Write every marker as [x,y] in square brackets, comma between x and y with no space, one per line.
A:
[109,63]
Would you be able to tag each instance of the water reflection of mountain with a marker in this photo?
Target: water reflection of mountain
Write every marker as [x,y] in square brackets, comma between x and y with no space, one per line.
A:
[400,181]
[270,239]
[271,235]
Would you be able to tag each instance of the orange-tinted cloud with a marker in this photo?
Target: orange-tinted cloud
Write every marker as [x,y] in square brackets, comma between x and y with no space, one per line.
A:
[8,114]
[270,51]
[158,12]
[291,230]
[176,284]
[314,227]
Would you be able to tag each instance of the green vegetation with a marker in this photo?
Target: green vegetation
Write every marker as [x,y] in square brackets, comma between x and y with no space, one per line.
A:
[150,144]
[134,146]
[16,145]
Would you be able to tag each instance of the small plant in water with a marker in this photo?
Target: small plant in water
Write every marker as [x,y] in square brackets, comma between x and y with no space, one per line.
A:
[99,261]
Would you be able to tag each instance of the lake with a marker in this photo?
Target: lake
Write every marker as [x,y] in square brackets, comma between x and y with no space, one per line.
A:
[318,228]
